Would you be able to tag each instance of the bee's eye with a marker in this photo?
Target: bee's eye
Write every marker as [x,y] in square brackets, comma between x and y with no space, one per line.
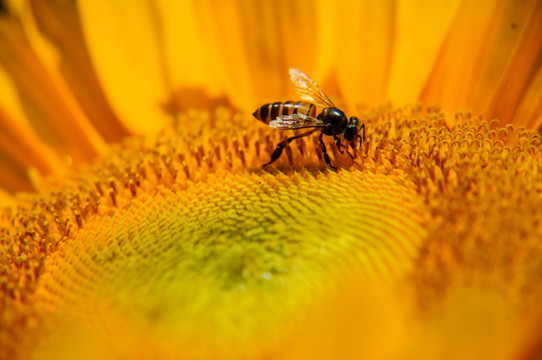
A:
[354,121]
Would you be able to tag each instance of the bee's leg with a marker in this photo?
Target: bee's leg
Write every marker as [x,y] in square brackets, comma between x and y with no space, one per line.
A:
[338,143]
[324,151]
[360,138]
[281,145]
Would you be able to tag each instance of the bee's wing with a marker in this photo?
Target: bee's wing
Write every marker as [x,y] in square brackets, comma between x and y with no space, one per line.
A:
[295,121]
[308,90]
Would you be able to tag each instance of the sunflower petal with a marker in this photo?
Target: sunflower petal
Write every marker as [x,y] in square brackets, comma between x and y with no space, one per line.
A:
[21,149]
[47,103]
[187,63]
[364,59]
[255,43]
[468,74]
[125,46]
[421,27]
[520,86]
[59,22]
[529,111]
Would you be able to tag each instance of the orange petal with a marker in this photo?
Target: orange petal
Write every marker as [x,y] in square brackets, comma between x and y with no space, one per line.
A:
[476,53]
[529,111]
[325,33]
[20,150]
[517,97]
[221,35]
[365,33]
[124,42]
[46,102]
[421,27]
[188,68]
[13,175]
[187,61]
[295,22]
[59,22]
[254,43]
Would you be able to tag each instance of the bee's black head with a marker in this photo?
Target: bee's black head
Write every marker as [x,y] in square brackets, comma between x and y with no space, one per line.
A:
[351,129]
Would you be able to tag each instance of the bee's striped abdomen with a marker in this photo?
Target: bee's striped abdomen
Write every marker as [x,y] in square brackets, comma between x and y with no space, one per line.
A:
[268,112]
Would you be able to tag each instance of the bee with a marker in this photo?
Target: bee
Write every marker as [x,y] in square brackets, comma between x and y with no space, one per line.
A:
[289,115]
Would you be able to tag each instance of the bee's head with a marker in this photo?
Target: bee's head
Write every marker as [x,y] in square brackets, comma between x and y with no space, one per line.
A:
[351,129]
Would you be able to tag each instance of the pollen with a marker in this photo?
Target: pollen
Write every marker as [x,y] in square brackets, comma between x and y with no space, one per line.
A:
[183,241]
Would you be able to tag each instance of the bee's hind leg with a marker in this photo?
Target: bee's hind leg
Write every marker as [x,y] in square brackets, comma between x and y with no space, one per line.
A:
[324,151]
[281,145]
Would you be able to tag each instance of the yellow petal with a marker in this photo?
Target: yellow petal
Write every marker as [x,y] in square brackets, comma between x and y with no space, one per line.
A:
[365,33]
[519,87]
[476,57]
[47,103]
[529,112]
[220,28]
[420,28]
[189,71]
[10,99]
[58,22]
[253,44]
[325,33]
[124,43]
[21,149]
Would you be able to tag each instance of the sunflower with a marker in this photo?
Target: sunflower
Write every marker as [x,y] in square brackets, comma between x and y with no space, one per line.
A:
[138,221]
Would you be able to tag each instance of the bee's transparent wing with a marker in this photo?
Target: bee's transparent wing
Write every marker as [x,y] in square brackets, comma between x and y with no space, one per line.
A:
[308,90]
[295,121]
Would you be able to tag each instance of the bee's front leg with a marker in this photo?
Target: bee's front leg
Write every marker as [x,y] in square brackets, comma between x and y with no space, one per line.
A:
[324,152]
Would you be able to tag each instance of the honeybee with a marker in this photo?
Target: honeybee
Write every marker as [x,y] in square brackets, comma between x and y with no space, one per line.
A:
[290,115]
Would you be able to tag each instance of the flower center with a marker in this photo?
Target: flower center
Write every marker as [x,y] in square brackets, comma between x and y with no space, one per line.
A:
[191,261]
